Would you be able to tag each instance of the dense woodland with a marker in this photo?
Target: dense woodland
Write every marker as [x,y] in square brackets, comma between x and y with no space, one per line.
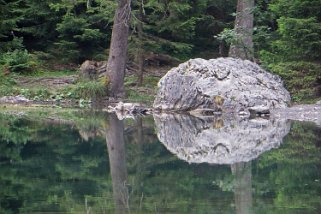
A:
[61,34]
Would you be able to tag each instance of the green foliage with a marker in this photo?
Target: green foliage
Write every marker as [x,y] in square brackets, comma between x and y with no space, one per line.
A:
[303,35]
[6,80]
[295,180]
[229,36]
[38,94]
[181,28]
[288,40]
[138,96]
[145,93]
[35,93]
[296,8]
[80,25]
[68,49]
[62,28]
[37,23]
[15,44]
[298,31]
[86,90]
[7,84]
[18,61]
[73,31]
[298,35]
[302,79]
[299,39]
[48,32]
[9,16]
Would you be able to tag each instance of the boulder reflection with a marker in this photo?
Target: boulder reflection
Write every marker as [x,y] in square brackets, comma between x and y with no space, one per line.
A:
[219,140]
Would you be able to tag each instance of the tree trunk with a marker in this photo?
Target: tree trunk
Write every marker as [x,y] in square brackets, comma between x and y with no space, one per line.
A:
[243,187]
[140,55]
[243,48]
[116,64]
[139,160]
[117,160]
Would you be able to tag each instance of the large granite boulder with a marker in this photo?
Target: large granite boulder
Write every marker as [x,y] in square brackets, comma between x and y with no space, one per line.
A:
[219,140]
[223,84]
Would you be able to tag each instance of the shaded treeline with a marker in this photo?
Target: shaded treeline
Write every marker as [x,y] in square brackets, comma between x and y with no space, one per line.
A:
[286,34]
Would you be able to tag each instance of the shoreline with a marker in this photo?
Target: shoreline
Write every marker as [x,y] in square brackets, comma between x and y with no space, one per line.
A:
[297,112]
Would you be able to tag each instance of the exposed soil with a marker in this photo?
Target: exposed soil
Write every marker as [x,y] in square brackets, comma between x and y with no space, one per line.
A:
[46,82]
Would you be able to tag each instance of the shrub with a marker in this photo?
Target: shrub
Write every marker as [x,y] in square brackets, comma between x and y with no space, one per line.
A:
[87,90]
[302,79]
[6,80]
[18,61]
[6,84]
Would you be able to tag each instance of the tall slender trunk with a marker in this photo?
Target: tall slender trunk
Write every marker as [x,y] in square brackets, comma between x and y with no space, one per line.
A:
[117,160]
[244,28]
[139,133]
[139,160]
[140,55]
[116,64]
[243,187]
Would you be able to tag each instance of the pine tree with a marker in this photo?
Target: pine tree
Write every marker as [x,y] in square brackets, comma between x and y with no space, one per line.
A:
[299,29]
[37,24]
[84,29]
[10,15]
[294,47]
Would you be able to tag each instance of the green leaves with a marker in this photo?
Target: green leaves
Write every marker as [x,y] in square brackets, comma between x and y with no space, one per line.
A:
[17,61]
[290,44]
[9,17]
[83,32]
[300,36]
[296,8]
[299,29]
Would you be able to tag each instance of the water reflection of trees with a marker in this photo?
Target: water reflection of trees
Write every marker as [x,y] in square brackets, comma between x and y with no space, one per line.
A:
[242,187]
[55,170]
[117,163]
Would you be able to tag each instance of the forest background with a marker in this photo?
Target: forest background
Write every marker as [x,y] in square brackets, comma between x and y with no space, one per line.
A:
[41,36]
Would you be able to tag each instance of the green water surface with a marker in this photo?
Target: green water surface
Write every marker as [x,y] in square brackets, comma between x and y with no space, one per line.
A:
[66,162]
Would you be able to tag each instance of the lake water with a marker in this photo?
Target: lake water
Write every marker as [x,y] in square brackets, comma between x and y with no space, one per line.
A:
[90,162]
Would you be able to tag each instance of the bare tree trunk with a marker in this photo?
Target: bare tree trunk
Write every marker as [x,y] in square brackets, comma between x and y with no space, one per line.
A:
[116,64]
[222,48]
[244,28]
[89,3]
[117,160]
[243,187]
[139,177]
[140,55]
[140,133]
